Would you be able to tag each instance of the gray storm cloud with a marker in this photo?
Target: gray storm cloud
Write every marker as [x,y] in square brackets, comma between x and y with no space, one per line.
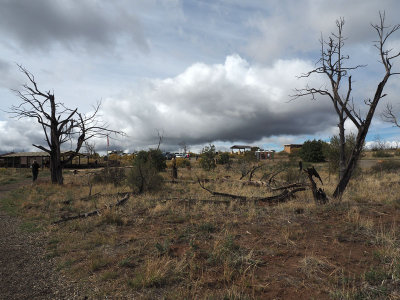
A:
[43,23]
[19,135]
[233,101]
[294,27]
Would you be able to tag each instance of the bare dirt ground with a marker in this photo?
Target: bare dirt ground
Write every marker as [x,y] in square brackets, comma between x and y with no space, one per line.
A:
[25,272]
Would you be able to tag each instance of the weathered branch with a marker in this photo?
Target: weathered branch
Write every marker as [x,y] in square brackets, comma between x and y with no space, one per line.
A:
[94,212]
[283,197]
[318,194]
[389,116]
[251,172]
[243,198]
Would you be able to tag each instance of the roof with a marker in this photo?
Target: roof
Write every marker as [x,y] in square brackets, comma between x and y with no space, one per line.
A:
[23,154]
[240,147]
[295,145]
[37,154]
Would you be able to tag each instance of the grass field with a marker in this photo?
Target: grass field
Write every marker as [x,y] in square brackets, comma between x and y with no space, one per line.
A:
[177,244]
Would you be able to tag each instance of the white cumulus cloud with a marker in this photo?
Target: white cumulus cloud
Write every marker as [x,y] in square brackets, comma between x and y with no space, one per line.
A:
[233,101]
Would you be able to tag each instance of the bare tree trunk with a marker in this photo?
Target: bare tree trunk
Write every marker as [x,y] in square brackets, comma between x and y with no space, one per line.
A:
[351,165]
[55,167]
[362,133]
[342,153]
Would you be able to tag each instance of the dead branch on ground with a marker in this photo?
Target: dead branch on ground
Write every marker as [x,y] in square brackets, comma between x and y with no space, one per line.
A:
[251,172]
[94,212]
[99,195]
[283,197]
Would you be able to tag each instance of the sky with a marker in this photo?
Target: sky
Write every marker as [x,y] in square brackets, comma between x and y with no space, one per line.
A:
[194,72]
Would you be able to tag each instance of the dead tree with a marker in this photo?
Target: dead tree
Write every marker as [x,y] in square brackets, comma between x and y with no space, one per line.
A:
[332,65]
[60,124]
[90,148]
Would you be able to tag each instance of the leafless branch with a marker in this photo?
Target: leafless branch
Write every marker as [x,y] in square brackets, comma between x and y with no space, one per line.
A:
[389,116]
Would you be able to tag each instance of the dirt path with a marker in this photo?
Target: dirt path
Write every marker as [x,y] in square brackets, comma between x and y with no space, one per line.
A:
[25,272]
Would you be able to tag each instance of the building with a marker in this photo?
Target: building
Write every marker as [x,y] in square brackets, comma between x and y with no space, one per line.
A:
[288,148]
[265,154]
[25,159]
[240,148]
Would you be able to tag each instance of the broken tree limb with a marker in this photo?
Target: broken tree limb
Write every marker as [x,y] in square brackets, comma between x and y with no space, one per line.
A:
[193,200]
[282,197]
[94,196]
[289,186]
[98,195]
[205,201]
[251,172]
[79,216]
[244,198]
[94,212]
[318,194]
[271,176]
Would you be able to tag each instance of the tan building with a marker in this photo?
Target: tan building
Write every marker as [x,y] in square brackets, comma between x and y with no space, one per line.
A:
[288,148]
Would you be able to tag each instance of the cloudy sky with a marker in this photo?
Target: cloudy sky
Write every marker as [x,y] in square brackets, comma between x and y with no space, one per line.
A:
[196,71]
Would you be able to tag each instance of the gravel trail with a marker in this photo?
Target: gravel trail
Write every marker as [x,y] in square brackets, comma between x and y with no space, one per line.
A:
[25,272]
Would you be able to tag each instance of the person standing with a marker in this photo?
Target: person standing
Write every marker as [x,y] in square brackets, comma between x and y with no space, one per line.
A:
[35,170]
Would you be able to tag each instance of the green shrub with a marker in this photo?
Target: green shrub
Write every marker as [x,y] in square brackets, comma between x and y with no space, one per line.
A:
[155,157]
[249,156]
[182,163]
[295,153]
[144,176]
[207,160]
[332,150]
[223,158]
[312,151]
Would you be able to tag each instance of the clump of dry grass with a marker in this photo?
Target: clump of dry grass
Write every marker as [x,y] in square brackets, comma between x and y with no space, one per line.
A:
[158,272]
[354,217]
[316,267]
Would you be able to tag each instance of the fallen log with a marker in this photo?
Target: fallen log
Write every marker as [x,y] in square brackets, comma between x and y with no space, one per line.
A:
[79,216]
[193,200]
[94,212]
[98,195]
[289,186]
[206,201]
[244,198]
[282,197]
[179,181]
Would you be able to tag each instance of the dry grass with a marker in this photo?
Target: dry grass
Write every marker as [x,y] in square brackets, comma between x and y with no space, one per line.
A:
[171,244]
